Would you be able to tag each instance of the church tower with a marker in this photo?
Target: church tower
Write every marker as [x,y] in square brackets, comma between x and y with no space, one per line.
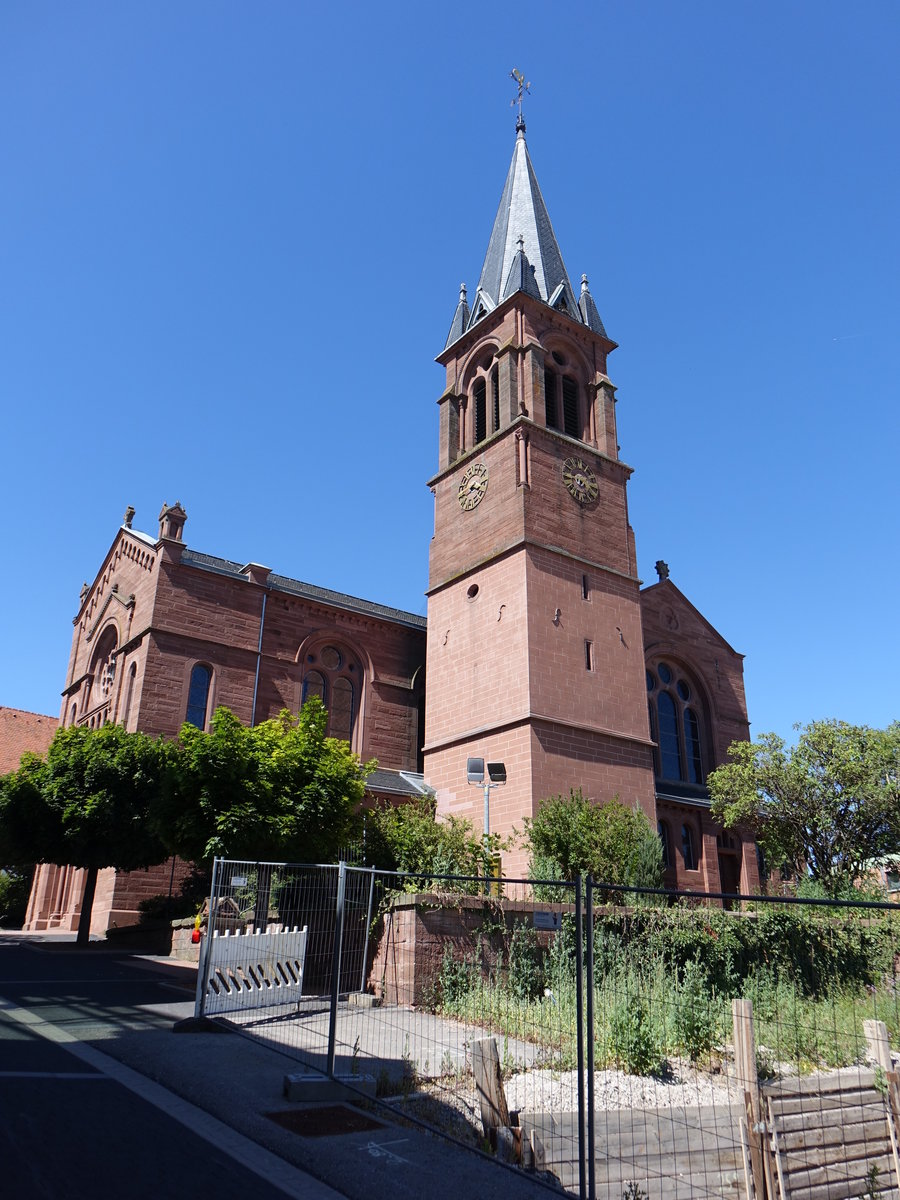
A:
[535,648]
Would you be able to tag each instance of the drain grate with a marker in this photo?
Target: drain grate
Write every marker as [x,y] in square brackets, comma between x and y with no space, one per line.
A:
[326,1121]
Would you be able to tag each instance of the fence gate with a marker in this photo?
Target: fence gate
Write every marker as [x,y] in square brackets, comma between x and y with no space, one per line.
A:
[243,966]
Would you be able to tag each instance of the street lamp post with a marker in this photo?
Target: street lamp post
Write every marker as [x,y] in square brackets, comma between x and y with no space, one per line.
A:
[496,777]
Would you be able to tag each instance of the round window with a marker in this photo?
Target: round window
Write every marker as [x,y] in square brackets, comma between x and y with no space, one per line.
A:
[330,658]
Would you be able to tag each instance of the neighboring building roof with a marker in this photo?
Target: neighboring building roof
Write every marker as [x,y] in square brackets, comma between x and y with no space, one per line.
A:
[21,731]
[523,254]
[397,783]
[309,591]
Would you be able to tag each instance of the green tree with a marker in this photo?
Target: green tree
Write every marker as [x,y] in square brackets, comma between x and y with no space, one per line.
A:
[86,805]
[615,844]
[826,807]
[281,790]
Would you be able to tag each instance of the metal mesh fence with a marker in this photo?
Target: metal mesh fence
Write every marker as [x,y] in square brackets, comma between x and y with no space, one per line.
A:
[618,1042]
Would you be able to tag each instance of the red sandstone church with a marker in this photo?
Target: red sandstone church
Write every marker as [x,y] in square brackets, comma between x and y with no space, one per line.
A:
[533,585]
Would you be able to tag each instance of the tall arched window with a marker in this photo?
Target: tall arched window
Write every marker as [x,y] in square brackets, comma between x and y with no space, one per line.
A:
[688,848]
[129,694]
[198,696]
[663,830]
[562,397]
[335,677]
[676,724]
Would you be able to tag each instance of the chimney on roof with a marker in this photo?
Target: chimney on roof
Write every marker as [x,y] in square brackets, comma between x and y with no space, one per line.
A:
[171,522]
[256,573]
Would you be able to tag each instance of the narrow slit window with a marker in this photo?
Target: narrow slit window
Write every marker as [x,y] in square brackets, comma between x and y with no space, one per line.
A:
[495,398]
[589,655]
[585,588]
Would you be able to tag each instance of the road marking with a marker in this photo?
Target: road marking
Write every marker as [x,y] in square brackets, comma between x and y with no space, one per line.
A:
[292,1181]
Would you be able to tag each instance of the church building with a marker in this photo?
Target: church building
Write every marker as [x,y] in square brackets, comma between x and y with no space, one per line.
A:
[542,652]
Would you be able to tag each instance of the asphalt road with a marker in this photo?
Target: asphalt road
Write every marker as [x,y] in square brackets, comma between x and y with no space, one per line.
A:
[74,1122]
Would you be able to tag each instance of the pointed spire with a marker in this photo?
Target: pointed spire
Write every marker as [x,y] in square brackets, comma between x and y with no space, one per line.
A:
[521,274]
[589,313]
[460,318]
[522,212]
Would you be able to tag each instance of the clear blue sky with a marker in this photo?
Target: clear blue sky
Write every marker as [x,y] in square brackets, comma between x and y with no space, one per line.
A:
[231,241]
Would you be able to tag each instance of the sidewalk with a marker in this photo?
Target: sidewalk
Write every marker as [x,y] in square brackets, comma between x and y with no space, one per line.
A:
[240,1082]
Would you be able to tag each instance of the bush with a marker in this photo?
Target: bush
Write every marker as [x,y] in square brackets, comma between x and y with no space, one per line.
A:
[526,968]
[632,1040]
[613,843]
[15,886]
[693,1017]
[409,839]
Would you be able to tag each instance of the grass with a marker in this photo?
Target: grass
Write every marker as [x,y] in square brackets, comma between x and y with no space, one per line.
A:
[649,1009]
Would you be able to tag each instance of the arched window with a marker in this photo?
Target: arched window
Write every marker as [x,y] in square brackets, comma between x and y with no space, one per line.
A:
[676,725]
[561,398]
[335,677]
[314,685]
[129,694]
[198,696]
[663,830]
[688,848]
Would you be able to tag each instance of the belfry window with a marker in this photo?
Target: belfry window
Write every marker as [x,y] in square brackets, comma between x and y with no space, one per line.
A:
[561,403]
[335,678]
[495,399]
[676,725]
[479,397]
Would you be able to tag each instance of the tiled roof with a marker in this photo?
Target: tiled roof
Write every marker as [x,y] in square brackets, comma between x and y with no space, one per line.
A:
[308,591]
[21,731]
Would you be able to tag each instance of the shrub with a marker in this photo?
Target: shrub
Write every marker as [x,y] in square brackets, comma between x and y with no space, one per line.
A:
[613,843]
[693,1016]
[632,1039]
[15,886]
[526,969]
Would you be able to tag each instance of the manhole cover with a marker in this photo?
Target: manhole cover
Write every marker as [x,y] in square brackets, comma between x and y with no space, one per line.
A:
[327,1121]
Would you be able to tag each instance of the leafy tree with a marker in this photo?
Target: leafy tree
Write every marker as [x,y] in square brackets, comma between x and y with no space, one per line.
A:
[281,790]
[615,844]
[87,805]
[408,838]
[825,808]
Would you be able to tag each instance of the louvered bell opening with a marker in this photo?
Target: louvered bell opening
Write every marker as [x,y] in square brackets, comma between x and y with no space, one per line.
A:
[480,398]
[495,397]
[570,407]
[550,400]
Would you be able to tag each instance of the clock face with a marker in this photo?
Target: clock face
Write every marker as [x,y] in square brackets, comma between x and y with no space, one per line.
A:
[580,480]
[472,486]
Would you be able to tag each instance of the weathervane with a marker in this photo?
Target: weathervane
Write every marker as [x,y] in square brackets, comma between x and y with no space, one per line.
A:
[523,87]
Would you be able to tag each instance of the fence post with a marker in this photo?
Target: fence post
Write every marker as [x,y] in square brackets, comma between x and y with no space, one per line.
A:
[748,1082]
[336,963]
[579,1023]
[589,1028]
[365,956]
[206,944]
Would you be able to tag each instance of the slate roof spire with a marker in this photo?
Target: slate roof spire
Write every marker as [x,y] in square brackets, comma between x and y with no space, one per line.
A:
[523,254]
